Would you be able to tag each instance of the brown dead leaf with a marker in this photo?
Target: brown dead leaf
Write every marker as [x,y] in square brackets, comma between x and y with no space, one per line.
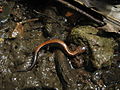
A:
[19,29]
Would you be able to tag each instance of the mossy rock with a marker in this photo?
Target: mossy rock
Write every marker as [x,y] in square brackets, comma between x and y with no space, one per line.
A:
[102,48]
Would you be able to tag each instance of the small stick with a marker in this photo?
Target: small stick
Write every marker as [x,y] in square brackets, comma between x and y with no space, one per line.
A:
[81,11]
[29,20]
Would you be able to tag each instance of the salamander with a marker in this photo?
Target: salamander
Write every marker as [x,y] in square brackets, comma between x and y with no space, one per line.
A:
[60,44]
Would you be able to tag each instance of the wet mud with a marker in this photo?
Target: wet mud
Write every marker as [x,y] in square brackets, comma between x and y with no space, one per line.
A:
[24,25]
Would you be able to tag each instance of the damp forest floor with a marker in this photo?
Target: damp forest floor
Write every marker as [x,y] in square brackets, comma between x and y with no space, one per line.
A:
[27,25]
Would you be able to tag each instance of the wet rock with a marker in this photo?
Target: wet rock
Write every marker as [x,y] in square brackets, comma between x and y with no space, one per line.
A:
[111,76]
[71,79]
[46,72]
[108,78]
[55,25]
[102,48]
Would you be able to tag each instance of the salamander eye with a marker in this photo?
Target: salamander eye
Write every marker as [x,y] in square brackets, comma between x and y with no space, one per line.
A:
[83,48]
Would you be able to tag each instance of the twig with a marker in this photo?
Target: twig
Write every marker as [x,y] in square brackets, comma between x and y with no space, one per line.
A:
[29,20]
[81,11]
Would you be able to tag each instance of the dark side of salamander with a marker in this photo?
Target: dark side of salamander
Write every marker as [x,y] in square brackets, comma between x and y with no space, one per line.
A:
[60,44]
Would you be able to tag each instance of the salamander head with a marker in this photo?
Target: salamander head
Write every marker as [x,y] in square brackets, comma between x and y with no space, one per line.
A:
[80,49]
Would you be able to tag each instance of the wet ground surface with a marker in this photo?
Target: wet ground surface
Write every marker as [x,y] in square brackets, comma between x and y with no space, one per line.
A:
[54,70]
